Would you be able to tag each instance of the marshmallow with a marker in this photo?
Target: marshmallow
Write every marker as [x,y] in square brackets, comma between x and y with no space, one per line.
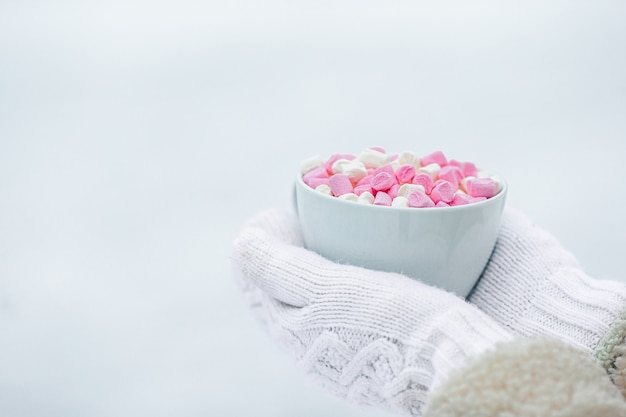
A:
[431,169]
[366,198]
[329,163]
[405,173]
[385,168]
[464,181]
[442,191]
[372,158]
[400,202]
[319,172]
[324,189]
[419,199]
[360,189]
[340,184]
[408,158]
[393,191]
[310,163]
[469,169]
[436,157]
[355,170]
[365,180]
[424,180]
[337,167]
[382,199]
[406,189]
[349,197]
[382,181]
[460,199]
[452,174]
[315,182]
[481,187]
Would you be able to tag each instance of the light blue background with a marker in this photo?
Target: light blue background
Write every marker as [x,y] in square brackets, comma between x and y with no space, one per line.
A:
[136,137]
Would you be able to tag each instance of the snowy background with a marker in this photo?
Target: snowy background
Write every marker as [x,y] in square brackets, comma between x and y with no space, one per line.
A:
[136,137]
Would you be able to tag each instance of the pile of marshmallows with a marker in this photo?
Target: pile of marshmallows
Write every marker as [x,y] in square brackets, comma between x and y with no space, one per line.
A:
[401,180]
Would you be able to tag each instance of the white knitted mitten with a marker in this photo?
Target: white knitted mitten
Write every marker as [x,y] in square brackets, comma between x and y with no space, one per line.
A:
[374,338]
[533,286]
[388,341]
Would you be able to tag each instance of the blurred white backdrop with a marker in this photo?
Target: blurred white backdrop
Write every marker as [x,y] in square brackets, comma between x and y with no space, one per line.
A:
[136,137]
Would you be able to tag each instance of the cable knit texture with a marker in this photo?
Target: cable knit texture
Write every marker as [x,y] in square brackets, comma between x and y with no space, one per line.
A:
[532,286]
[374,338]
[528,378]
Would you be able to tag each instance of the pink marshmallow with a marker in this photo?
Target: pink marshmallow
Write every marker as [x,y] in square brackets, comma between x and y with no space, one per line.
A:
[419,199]
[460,199]
[452,174]
[436,157]
[393,191]
[481,187]
[383,181]
[442,204]
[378,148]
[469,169]
[382,199]
[315,182]
[340,184]
[442,191]
[365,180]
[360,189]
[424,180]
[405,173]
[385,168]
[319,172]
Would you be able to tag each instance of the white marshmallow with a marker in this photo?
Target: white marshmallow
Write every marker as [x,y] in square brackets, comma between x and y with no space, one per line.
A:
[400,201]
[498,183]
[371,158]
[324,189]
[311,163]
[406,189]
[431,169]
[338,165]
[355,170]
[366,198]
[408,158]
[349,197]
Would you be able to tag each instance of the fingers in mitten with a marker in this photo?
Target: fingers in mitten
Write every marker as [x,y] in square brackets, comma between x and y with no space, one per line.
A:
[282,271]
[283,225]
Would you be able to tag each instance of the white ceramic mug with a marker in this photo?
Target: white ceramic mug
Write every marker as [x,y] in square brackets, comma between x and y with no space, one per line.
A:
[447,247]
